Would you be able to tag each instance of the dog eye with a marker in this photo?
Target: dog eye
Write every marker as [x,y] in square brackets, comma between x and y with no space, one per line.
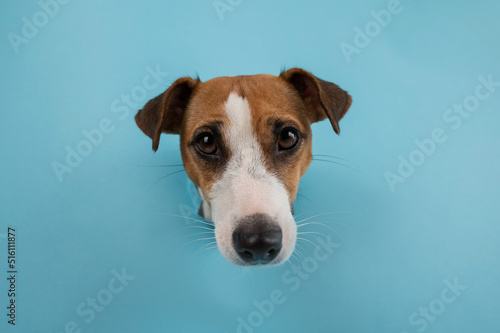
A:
[206,143]
[288,139]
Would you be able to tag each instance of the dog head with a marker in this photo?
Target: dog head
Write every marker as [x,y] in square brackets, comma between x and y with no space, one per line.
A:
[245,143]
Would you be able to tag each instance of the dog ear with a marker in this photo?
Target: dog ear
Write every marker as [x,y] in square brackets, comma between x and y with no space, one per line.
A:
[322,98]
[165,112]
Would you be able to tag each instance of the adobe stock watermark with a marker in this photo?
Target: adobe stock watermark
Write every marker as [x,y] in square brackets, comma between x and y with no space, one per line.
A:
[31,26]
[88,309]
[454,117]
[223,6]
[293,279]
[121,108]
[425,315]
[364,36]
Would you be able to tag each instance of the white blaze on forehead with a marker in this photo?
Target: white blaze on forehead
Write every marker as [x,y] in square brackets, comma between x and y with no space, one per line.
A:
[246,186]
[244,147]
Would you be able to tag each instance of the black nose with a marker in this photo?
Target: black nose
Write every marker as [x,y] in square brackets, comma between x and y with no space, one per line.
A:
[257,239]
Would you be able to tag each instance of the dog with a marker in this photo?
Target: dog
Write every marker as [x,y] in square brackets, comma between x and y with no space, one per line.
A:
[245,143]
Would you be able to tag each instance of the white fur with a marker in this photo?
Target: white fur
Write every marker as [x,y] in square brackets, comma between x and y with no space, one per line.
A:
[246,187]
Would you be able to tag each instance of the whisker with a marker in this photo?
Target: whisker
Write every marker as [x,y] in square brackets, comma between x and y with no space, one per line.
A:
[310,232]
[198,233]
[189,218]
[331,156]
[312,222]
[333,230]
[294,255]
[199,227]
[209,248]
[170,174]
[324,225]
[323,214]
[338,163]
[311,217]
[197,240]
[303,196]
[299,253]
[307,240]
[297,246]
[160,166]
[292,258]
[301,214]
[205,247]
[332,212]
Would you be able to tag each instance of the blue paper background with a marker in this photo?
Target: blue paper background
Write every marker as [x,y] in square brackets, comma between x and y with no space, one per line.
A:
[396,248]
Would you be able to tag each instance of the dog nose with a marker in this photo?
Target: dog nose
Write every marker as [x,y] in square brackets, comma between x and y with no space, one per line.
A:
[257,239]
[257,247]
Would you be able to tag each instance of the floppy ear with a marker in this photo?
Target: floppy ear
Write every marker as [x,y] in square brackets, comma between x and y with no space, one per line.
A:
[165,112]
[322,98]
